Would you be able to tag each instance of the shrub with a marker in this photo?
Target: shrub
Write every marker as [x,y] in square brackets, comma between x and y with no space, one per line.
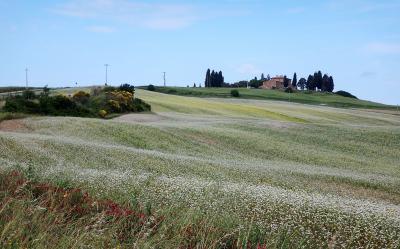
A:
[235,93]
[346,94]
[172,91]
[289,90]
[28,94]
[102,113]
[20,104]
[81,97]
[151,88]
[127,87]
[114,105]
[109,89]
[62,102]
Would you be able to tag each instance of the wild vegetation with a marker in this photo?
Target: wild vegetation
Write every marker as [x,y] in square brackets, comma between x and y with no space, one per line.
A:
[100,102]
[221,172]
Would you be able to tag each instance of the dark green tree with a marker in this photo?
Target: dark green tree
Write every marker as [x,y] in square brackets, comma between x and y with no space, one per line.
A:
[310,85]
[331,84]
[302,83]
[207,81]
[318,80]
[262,77]
[294,81]
[325,83]
[285,81]
[220,79]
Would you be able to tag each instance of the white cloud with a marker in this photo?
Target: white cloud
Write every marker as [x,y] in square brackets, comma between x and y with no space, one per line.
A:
[143,14]
[248,69]
[382,48]
[100,29]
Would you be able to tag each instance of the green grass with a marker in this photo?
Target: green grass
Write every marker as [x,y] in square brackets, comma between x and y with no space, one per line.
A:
[305,97]
[231,171]
[9,115]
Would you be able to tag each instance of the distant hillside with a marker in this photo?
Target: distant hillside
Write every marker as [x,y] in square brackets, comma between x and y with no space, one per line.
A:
[306,97]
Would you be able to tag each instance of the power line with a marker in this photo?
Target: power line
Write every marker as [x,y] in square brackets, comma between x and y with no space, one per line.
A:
[26,78]
[106,65]
[164,79]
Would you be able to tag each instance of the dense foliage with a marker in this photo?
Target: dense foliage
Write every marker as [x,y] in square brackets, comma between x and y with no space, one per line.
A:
[101,103]
[214,79]
[235,93]
[346,94]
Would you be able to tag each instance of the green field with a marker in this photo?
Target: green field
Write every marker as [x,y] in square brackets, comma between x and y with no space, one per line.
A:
[232,170]
[305,97]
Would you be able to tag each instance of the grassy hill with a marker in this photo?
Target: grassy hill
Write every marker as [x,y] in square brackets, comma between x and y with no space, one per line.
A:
[222,172]
[306,97]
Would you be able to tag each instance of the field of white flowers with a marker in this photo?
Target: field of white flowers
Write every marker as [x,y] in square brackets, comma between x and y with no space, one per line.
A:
[326,176]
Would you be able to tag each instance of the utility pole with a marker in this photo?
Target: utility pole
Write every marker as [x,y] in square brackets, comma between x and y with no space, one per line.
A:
[164,79]
[106,65]
[26,78]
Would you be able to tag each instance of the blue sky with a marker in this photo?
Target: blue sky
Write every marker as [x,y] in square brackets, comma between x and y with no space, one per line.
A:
[68,41]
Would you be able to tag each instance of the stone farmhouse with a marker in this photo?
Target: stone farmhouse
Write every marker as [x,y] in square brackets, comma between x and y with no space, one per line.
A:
[276,82]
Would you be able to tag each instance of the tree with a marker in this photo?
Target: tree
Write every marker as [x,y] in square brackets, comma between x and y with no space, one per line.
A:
[318,80]
[262,77]
[194,85]
[220,79]
[325,83]
[212,79]
[285,81]
[331,84]
[268,77]
[302,83]
[310,85]
[207,81]
[294,82]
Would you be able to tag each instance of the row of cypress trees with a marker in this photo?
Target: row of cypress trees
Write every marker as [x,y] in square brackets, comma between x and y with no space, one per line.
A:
[317,81]
[214,79]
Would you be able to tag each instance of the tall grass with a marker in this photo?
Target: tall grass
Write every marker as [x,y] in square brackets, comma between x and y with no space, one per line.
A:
[227,173]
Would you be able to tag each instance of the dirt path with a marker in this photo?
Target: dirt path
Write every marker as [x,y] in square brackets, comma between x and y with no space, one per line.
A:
[13,125]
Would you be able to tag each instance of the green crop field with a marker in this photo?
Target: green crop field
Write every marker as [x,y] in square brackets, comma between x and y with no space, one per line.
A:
[230,171]
[305,97]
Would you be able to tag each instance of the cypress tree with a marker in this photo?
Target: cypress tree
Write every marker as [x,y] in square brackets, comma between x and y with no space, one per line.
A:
[207,81]
[310,83]
[325,83]
[212,79]
[262,77]
[285,81]
[331,84]
[294,82]
[220,79]
[318,80]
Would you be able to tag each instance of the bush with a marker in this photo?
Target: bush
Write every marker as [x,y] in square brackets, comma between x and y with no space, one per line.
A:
[28,94]
[346,94]
[81,97]
[109,89]
[102,113]
[172,91]
[114,105]
[127,88]
[151,88]
[20,104]
[289,90]
[235,93]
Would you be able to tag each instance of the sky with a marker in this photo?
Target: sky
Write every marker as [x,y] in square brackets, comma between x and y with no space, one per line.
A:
[63,42]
